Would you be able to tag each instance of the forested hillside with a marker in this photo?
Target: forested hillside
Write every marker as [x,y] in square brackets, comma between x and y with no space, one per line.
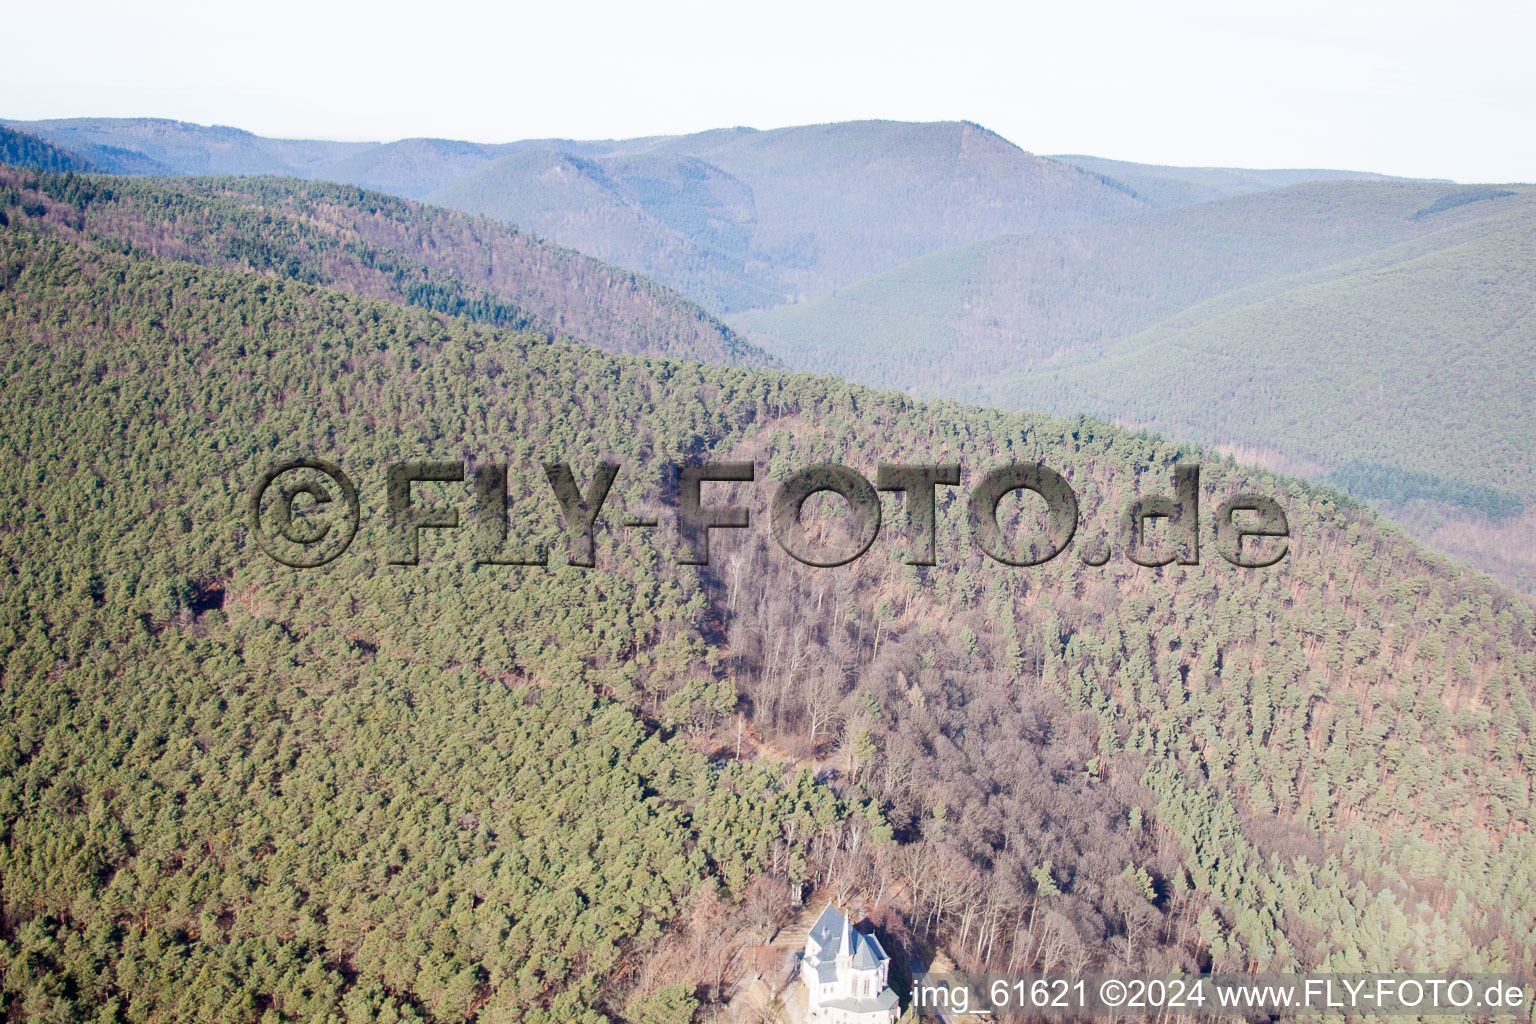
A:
[232,792]
[23,150]
[455,791]
[379,246]
[1333,323]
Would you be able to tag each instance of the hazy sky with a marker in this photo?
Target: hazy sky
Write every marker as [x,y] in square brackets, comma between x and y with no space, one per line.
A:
[1443,90]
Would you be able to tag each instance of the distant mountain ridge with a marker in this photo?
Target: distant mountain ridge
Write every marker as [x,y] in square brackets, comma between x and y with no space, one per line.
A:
[180,147]
[735,218]
[739,218]
[1162,186]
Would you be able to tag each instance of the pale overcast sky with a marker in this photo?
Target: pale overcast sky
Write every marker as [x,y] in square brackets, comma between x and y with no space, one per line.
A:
[1406,87]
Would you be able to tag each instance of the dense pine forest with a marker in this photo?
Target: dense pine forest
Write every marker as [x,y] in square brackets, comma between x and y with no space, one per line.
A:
[456,791]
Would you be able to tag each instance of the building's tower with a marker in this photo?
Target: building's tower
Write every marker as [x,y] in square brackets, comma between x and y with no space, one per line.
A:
[845,958]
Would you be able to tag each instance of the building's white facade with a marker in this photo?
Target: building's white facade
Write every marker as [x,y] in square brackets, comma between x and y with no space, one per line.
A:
[846,974]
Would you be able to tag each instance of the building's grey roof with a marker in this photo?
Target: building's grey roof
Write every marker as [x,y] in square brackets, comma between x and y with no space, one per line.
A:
[884,1000]
[826,972]
[827,933]
[867,952]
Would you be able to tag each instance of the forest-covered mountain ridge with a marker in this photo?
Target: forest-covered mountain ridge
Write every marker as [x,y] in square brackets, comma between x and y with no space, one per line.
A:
[380,246]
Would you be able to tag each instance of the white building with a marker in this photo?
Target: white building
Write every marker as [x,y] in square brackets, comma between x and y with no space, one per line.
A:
[846,974]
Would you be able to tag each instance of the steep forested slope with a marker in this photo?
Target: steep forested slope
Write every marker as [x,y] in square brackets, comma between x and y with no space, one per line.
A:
[379,246]
[23,150]
[1324,763]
